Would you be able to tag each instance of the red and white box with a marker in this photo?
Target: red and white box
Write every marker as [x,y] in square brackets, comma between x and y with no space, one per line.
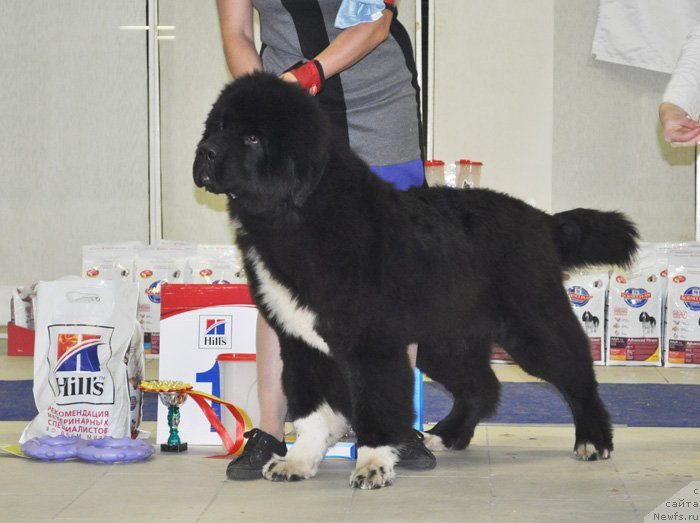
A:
[198,324]
[20,340]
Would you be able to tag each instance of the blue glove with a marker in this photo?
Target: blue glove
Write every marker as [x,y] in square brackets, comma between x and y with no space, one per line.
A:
[353,12]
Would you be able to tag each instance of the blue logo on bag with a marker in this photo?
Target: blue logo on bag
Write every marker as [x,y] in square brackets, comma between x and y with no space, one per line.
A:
[636,297]
[691,298]
[78,373]
[578,296]
[153,291]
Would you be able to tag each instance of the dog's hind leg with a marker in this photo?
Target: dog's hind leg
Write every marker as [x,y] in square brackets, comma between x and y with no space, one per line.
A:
[465,372]
[553,346]
[318,404]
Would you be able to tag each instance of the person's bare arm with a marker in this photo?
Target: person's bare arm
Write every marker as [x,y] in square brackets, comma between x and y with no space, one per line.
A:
[236,21]
[351,46]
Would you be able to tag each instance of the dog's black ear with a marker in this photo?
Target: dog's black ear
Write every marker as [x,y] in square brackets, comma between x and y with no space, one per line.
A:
[306,178]
[309,155]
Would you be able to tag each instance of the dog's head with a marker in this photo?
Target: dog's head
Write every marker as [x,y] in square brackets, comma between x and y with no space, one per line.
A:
[265,145]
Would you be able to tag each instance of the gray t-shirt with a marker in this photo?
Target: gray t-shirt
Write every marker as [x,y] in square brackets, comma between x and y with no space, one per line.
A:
[374,102]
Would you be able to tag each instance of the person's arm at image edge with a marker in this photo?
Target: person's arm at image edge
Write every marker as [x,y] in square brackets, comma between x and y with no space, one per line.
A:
[236,21]
[680,105]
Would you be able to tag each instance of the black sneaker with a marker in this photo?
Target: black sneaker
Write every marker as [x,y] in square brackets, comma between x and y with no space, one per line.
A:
[258,450]
[414,455]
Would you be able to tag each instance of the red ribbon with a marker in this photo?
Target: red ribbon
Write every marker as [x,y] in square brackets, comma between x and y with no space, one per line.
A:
[243,422]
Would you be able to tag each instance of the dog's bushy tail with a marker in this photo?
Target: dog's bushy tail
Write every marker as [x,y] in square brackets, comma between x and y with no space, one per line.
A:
[590,237]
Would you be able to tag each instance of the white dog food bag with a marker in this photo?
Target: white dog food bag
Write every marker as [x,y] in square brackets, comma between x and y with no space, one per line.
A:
[136,372]
[587,294]
[156,265]
[635,311]
[215,264]
[682,334]
[80,376]
[110,261]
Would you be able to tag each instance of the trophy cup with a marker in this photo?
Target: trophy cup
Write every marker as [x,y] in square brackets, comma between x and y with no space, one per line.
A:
[173,400]
[172,394]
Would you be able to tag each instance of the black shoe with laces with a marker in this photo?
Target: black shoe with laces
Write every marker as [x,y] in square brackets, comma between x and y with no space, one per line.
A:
[258,450]
[414,455]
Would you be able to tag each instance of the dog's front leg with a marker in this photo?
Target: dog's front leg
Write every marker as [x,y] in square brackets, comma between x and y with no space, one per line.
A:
[317,399]
[381,385]
[315,434]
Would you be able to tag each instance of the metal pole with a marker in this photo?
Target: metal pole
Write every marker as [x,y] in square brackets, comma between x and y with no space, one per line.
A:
[155,215]
[697,194]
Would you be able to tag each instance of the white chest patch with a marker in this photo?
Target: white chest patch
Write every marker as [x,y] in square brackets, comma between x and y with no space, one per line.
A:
[295,319]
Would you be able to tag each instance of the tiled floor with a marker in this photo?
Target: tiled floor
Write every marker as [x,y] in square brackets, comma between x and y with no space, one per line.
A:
[517,473]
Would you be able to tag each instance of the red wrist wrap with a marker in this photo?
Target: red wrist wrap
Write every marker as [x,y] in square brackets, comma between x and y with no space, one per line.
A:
[310,76]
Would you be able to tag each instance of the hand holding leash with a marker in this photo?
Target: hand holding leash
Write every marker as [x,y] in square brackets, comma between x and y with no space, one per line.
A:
[309,76]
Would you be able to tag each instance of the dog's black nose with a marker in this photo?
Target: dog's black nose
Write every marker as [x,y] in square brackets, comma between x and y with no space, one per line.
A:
[203,164]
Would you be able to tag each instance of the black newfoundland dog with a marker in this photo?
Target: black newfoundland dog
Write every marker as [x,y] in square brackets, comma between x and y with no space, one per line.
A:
[349,271]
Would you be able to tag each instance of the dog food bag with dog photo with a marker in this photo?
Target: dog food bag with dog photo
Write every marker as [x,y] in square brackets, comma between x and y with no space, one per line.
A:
[682,334]
[215,264]
[587,293]
[83,330]
[156,265]
[635,312]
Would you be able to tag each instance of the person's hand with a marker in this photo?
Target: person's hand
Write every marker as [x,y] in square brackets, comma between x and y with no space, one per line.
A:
[679,129]
[309,76]
[289,77]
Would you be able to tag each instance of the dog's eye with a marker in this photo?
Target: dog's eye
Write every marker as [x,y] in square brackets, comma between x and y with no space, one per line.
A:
[251,139]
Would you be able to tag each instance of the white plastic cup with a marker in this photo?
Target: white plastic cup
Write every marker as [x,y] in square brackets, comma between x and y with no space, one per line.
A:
[468,174]
[435,172]
[239,385]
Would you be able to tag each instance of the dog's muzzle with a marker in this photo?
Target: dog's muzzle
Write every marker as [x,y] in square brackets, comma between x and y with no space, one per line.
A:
[204,167]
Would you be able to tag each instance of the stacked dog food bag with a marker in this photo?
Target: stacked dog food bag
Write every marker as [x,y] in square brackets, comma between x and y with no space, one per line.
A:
[682,328]
[647,314]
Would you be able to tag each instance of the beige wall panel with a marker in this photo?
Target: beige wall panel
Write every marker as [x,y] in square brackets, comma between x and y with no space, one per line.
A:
[73,139]
[493,92]
[608,148]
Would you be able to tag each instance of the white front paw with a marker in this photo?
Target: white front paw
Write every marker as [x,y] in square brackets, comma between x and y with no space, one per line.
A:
[372,477]
[283,469]
[375,468]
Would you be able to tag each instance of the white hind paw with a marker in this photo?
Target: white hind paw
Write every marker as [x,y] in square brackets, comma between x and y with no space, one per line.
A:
[587,452]
[434,442]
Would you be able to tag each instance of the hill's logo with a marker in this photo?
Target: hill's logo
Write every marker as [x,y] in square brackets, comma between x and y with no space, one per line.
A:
[153,290]
[578,296]
[215,332]
[636,297]
[78,374]
[691,298]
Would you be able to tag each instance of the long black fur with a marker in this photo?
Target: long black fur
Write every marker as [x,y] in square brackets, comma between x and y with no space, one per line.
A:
[454,270]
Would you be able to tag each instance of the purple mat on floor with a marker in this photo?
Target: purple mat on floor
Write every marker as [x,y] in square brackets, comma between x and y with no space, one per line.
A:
[636,405]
